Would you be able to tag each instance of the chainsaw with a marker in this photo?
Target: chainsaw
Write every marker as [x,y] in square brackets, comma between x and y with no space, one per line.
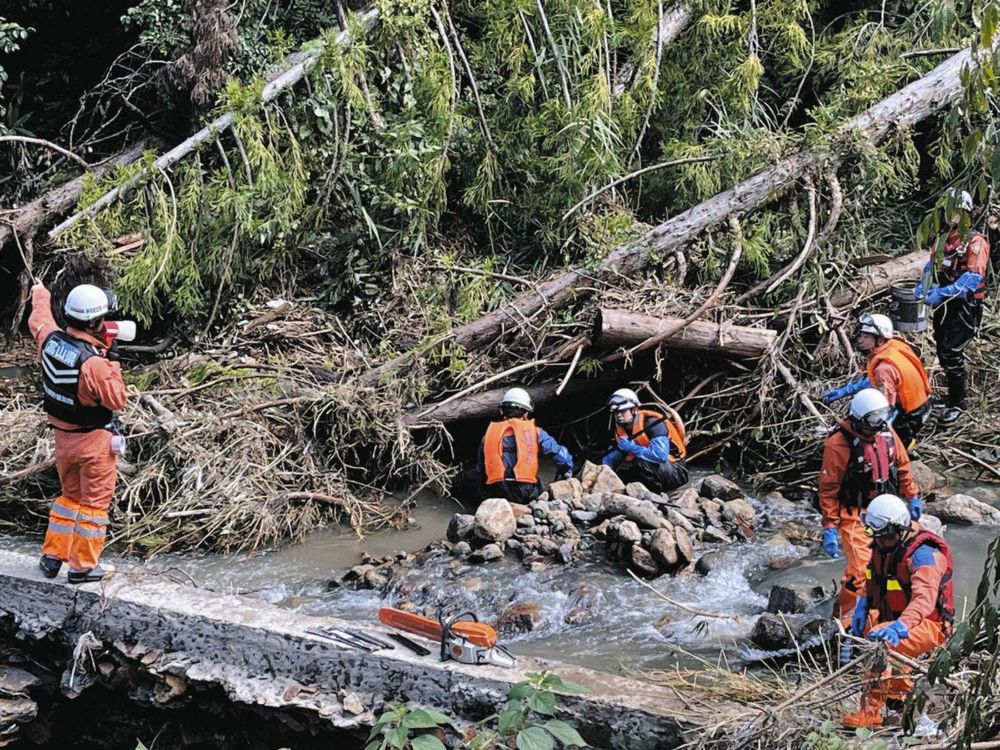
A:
[462,637]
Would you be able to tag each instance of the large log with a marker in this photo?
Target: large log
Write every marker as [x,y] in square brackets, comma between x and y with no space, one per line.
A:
[487,403]
[623,328]
[57,202]
[873,280]
[900,111]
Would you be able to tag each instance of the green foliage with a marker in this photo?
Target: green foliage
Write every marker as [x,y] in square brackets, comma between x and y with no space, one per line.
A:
[830,738]
[529,717]
[11,36]
[393,728]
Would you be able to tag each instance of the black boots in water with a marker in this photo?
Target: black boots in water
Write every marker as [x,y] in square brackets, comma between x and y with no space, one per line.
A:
[50,565]
[97,573]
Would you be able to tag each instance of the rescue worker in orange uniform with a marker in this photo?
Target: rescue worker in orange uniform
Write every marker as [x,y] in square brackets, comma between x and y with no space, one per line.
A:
[862,459]
[895,369]
[507,462]
[908,601]
[957,298]
[81,389]
[649,446]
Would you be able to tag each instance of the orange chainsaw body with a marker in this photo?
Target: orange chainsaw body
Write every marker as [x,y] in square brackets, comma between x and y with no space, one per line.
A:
[478,633]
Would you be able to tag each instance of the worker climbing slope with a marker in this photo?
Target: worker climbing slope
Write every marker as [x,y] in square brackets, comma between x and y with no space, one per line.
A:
[895,369]
[862,459]
[507,461]
[649,447]
[957,298]
[82,388]
[908,601]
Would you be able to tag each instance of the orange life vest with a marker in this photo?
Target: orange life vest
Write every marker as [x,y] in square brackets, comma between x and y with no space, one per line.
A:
[526,435]
[915,387]
[677,448]
[892,586]
[955,259]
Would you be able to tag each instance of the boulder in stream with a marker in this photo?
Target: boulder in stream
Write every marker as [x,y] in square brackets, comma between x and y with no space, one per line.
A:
[460,527]
[643,562]
[794,598]
[771,633]
[926,478]
[965,509]
[718,487]
[663,548]
[606,481]
[494,520]
[519,618]
[567,491]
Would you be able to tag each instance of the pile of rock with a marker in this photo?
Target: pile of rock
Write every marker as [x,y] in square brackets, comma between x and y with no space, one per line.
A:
[652,533]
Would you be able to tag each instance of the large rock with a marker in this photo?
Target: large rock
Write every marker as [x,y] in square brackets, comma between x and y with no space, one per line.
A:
[926,478]
[566,491]
[707,563]
[718,487]
[592,502]
[964,509]
[771,633]
[793,598]
[642,512]
[643,562]
[495,520]
[460,527]
[519,618]
[639,492]
[588,475]
[628,532]
[932,523]
[606,481]
[685,548]
[713,511]
[663,548]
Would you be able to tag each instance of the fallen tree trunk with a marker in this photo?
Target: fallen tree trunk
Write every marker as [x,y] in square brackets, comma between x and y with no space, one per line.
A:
[298,65]
[487,403]
[875,279]
[623,328]
[897,112]
[57,202]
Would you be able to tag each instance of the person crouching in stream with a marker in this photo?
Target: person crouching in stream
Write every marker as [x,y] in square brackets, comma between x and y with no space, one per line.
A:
[649,446]
[908,602]
[862,459]
[82,388]
[507,461]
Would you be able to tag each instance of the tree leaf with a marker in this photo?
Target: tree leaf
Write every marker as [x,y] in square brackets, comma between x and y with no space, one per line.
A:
[421,718]
[520,690]
[564,733]
[534,738]
[426,742]
[543,702]
[510,720]
[397,738]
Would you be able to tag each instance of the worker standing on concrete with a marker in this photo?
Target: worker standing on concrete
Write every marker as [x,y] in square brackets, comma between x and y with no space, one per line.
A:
[908,601]
[895,369]
[957,298]
[507,461]
[862,459]
[82,388]
[649,447]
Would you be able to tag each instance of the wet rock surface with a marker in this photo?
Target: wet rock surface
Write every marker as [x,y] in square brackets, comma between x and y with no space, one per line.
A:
[964,509]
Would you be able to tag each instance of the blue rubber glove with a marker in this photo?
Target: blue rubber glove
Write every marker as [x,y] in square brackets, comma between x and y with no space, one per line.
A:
[835,394]
[831,543]
[934,296]
[967,283]
[892,633]
[860,617]
[627,445]
[918,290]
[916,508]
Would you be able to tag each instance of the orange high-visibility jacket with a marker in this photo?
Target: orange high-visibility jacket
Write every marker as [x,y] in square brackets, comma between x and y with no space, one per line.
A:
[677,448]
[914,386]
[526,434]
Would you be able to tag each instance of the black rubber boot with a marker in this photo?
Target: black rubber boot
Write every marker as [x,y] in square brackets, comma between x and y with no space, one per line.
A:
[50,565]
[98,573]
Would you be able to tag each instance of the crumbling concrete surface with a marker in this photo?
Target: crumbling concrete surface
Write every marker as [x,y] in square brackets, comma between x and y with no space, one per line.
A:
[262,655]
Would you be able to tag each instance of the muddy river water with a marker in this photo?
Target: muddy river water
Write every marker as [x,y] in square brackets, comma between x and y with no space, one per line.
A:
[630,627]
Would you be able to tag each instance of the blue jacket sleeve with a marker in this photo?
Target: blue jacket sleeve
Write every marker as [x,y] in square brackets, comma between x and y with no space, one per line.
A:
[967,283]
[559,455]
[857,385]
[656,452]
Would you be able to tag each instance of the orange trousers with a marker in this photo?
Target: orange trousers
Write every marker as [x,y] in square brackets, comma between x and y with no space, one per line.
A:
[894,684]
[78,520]
[856,546]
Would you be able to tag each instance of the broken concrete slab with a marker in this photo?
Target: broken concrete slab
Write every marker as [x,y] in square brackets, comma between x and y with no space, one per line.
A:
[258,653]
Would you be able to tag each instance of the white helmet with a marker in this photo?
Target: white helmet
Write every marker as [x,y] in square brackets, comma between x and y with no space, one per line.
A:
[962,198]
[870,410]
[623,398]
[86,302]
[517,397]
[885,514]
[875,324]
